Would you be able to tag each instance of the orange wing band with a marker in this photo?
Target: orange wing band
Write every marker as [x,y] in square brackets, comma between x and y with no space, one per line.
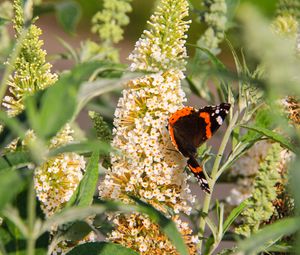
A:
[206,118]
[180,113]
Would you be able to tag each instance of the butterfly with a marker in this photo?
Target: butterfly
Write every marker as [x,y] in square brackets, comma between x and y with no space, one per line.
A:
[189,128]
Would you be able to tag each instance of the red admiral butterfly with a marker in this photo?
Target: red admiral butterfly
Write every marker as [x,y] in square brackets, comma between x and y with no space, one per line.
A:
[189,128]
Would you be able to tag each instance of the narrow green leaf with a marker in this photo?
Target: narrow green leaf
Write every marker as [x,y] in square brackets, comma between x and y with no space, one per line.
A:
[4,163]
[232,216]
[282,248]
[90,90]
[13,124]
[192,86]
[260,241]
[68,14]
[101,248]
[81,213]
[76,232]
[10,185]
[58,103]
[82,147]
[57,107]
[212,226]
[3,21]
[272,135]
[69,49]
[89,182]
[216,62]
[15,159]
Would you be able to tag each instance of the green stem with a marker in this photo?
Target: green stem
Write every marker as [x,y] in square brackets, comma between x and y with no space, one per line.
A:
[31,239]
[207,199]
[2,248]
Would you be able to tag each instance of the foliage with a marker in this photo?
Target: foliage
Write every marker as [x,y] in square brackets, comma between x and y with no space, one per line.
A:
[52,200]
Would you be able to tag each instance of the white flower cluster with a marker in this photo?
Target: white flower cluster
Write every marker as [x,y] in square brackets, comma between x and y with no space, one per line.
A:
[148,167]
[57,178]
[162,47]
[146,236]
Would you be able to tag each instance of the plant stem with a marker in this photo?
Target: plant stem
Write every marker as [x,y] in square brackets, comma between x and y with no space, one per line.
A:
[207,199]
[31,239]
[2,248]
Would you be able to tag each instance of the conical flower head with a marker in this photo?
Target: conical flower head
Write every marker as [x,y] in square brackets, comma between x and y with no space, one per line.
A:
[162,46]
[32,72]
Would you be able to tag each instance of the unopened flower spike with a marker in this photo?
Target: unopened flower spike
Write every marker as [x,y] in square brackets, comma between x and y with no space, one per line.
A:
[103,133]
[287,18]
[216,19]
[162,46]
[108,25]
[31,71]
[259,206]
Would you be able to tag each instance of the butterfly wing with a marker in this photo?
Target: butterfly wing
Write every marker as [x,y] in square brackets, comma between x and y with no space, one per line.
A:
[187,131]
[197,170]
[214,117]
[190,128]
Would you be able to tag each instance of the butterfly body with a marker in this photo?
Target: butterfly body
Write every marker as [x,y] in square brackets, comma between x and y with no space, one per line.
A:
[189,128]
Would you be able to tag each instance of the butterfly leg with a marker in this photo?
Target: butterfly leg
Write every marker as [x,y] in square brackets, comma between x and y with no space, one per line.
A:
[197,170]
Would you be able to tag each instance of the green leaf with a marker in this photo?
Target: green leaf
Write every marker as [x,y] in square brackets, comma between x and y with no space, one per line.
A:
[68,14]
[166,225]
[215,61]
[261,240]
[89,182]
[193,87]
[282,248]
[59,102]
[3,21]
[221,72]
[14,124]
[10,185]
[68,47]
[272,135]
[82,147]
[76,232]
[232,216]
[73,214]
[90,90]
[101,248]
[15,159]
[80,213]
[57,107]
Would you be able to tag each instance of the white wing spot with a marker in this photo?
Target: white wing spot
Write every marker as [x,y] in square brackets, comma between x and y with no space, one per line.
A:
[219,120]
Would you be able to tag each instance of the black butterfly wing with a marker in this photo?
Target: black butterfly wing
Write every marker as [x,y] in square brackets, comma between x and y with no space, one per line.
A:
[190,128]
[215,116]
[189,133]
